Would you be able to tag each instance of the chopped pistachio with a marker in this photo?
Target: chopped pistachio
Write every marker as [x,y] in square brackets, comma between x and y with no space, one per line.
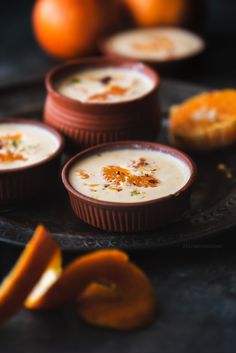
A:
[134,193]
[15,143]
[76,80]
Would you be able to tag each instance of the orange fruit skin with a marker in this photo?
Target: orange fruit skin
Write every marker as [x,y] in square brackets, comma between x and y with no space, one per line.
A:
[69,28]
[157,12]
[127,303]
[77,276]
[26,273]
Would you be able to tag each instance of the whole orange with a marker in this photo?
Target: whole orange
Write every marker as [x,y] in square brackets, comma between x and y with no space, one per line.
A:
[69,28]
[157,12]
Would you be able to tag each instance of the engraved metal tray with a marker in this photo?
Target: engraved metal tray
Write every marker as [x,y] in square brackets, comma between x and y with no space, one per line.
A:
[213,203]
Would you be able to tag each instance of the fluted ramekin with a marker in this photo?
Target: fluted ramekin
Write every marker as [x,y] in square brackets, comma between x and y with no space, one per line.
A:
[89,124]
[22,183]
[135,216]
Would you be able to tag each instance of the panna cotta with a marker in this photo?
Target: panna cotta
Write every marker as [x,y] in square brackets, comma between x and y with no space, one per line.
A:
[155,44]
[129,175]
[23,145]
[105,85]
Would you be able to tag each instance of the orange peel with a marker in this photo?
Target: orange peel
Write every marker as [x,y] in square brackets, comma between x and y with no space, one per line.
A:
[50,276]
[76,277]
[127,303]
[35,258]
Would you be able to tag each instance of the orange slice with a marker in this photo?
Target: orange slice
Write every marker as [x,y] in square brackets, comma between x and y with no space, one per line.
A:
[76,277]
[26,273]
[127,303]
[204,122]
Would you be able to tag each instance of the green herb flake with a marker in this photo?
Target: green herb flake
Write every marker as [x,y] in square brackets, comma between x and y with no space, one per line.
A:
[76,80]
[15,143]
[134,193]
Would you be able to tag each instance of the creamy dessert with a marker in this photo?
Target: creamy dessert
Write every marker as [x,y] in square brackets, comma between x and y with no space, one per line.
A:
[157,44]
[129,175]
[23,145]
[105,85]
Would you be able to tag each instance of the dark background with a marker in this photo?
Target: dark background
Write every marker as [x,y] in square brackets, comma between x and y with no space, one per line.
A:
[21,57]
[195,284]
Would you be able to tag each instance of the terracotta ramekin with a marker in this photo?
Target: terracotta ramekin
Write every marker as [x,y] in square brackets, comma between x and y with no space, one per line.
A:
[88,124]
[129,217]
[169,66]
[20,184]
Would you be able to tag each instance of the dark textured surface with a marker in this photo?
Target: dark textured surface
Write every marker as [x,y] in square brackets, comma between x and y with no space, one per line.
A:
[196,293]
[195,283]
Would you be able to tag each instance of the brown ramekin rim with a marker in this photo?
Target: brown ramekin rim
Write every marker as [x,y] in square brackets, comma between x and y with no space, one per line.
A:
[100,61]
[103,47]
[55,133]
[129,144]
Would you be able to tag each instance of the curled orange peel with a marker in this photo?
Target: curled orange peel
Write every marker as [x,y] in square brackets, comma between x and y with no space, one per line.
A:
[128,304]
[29,268]
[126,301]
[76,277]
[109,290]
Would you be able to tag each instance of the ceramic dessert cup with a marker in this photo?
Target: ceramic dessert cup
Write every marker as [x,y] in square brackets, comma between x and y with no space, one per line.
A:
[129,216]
[87,124]
[164,55]
[18,184]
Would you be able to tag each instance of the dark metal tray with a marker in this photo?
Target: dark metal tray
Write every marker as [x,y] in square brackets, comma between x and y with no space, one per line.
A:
[213,204]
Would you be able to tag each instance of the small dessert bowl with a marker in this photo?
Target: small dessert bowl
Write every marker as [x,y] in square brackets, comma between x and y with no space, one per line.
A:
[166,49]
[109,114]
[30,153]
[129,186]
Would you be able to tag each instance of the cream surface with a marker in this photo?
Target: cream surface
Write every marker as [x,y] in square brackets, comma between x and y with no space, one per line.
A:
[23,145]
[109,84]
[155,44]
[129,175]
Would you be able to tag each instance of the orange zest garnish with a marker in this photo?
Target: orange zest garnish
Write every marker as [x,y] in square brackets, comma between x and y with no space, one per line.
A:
[157,43]
[126,301]
[113,90]
[26,273]
[15,137]
[117,175]
[7,142]
[11,157]
[144,181]
[83,174]
[142,162]
[117,90]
